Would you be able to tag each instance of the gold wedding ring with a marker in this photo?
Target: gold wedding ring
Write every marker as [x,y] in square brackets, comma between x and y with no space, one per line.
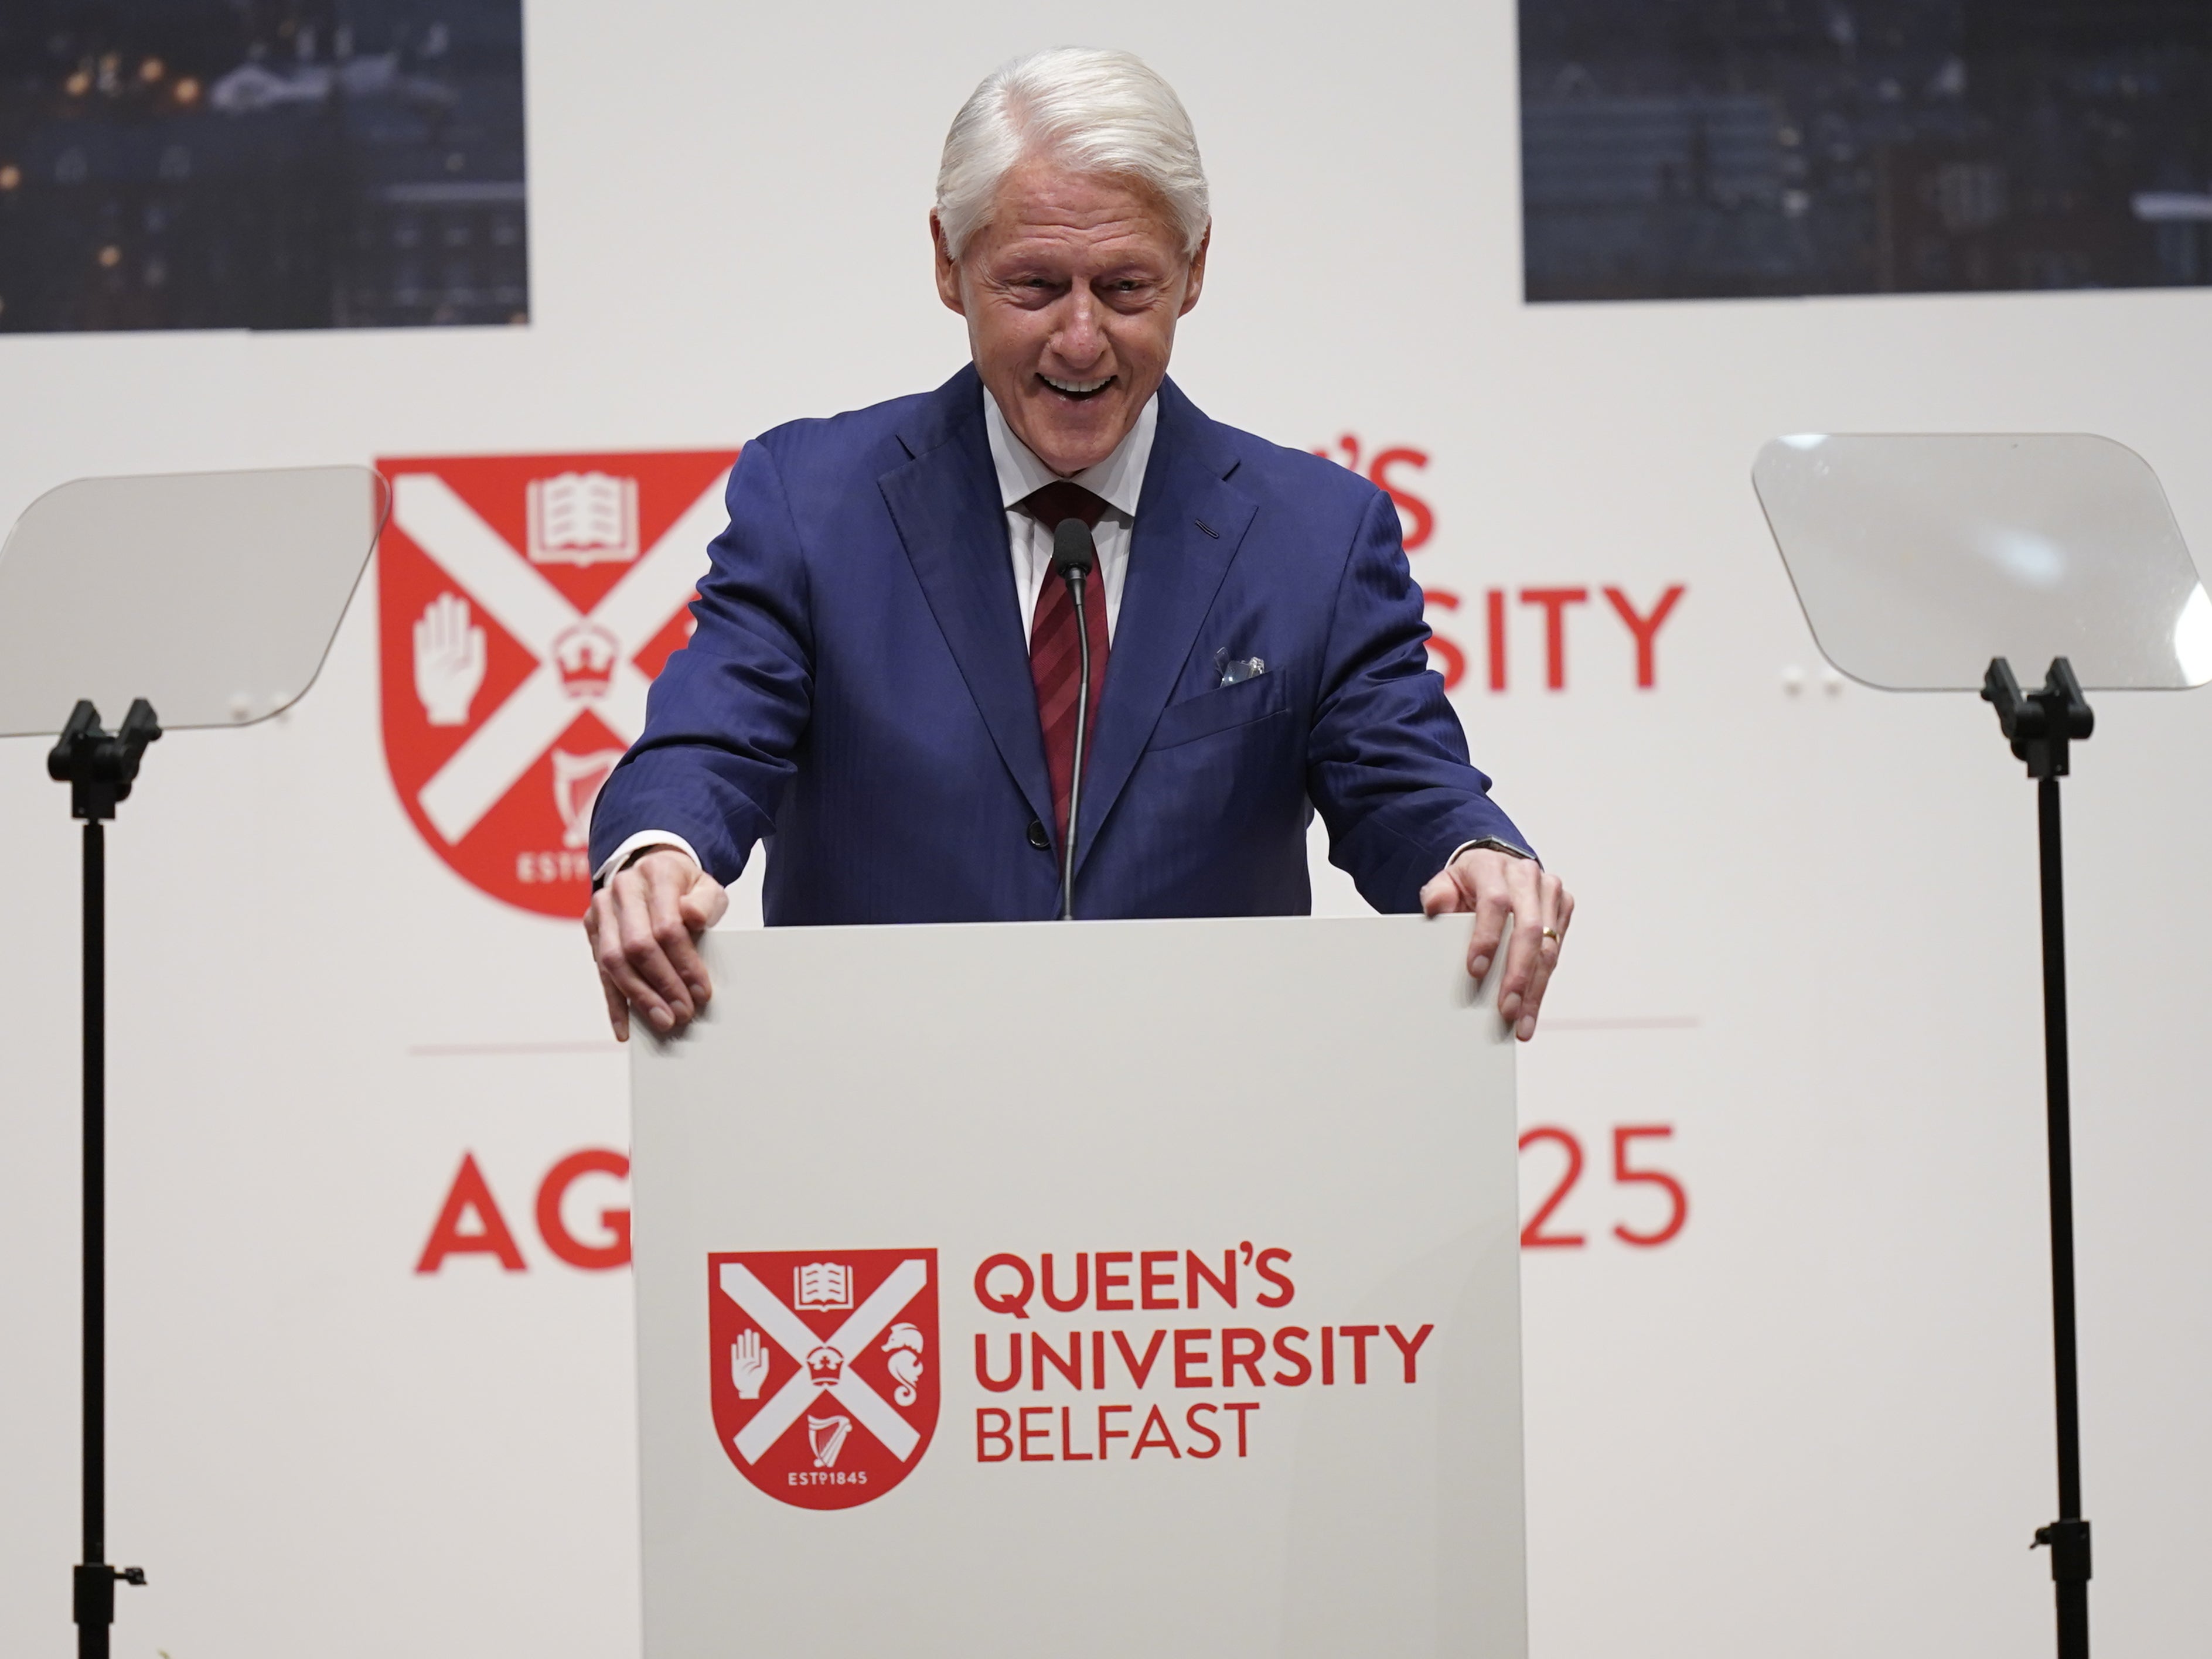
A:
[1551,935]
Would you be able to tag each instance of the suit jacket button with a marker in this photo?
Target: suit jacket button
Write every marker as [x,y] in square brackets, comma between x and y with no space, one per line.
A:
[1038,839]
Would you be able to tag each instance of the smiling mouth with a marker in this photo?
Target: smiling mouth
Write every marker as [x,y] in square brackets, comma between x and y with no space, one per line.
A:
[1078,391]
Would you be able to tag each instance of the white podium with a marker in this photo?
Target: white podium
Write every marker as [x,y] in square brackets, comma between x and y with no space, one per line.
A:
[1107,1288]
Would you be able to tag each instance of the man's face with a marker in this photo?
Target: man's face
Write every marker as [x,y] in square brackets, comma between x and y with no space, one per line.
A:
[1071,294]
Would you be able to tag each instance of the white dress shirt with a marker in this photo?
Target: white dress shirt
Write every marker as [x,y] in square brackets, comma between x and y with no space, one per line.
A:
[1117,481]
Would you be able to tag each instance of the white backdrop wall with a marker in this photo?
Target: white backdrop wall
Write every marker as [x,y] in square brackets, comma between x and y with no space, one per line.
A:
[1814,1421]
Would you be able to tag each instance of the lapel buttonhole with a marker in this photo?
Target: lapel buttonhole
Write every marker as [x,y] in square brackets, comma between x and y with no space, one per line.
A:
[1207,528]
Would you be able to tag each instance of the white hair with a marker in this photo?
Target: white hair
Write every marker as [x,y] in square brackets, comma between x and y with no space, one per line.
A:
[1093,111]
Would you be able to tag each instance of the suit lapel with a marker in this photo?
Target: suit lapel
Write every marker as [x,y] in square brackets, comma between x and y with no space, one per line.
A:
[1175,568]
[944,501]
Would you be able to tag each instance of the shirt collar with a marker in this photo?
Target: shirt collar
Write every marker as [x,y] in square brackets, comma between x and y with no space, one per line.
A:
[1118,479]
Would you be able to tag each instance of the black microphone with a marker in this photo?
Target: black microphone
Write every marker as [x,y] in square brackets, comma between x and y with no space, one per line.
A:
[1074,556]
[1072,552]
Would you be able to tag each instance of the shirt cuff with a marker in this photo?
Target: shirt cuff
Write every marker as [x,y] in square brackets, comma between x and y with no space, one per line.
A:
[643,840]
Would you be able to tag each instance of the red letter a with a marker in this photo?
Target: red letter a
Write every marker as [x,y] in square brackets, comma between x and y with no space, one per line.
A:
[490,1237]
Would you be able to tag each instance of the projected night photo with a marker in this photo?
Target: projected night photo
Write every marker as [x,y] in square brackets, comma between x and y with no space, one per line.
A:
[1709,148]
[261,164]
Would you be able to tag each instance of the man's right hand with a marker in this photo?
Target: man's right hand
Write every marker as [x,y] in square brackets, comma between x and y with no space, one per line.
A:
[644,925]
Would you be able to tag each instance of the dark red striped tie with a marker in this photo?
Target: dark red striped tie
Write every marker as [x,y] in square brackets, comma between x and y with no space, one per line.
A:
[1055,664]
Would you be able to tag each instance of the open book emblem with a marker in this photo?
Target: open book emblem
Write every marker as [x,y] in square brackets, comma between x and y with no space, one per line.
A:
[583,518]
[826,1286]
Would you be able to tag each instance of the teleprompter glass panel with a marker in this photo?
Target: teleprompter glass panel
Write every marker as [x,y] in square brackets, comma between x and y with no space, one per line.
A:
[1919,557]
[213,595]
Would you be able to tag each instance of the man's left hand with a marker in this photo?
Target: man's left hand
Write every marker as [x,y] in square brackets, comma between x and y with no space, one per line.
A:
[1493,886]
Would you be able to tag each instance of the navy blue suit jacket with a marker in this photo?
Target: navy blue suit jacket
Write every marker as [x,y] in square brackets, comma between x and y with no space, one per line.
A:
[857,691]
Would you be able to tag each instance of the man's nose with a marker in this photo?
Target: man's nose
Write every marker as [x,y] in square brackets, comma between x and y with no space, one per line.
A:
[1079,342]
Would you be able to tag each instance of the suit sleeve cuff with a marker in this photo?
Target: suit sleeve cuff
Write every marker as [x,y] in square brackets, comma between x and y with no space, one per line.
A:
[642,841]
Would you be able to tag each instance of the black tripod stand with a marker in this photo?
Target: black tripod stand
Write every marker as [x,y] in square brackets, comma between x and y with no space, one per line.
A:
[99,767]
[2040,724]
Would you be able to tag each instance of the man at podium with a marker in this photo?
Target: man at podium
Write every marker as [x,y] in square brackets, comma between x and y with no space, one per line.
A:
[884,678]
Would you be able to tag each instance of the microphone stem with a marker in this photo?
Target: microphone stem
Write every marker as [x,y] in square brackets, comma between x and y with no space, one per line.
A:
[1075,586]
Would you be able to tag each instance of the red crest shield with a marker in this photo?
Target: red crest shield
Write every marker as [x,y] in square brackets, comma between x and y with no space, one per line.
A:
[823,1369]
[525,604]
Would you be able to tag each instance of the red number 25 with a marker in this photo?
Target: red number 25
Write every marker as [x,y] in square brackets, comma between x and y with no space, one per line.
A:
[1534,1237]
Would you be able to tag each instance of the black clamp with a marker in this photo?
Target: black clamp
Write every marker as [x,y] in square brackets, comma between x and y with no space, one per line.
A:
[2069,1541]
[2040,724]
[95,1584]
[99,765]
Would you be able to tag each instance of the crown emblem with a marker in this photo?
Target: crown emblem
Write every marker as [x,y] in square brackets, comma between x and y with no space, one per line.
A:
[825,1367]
[584,658]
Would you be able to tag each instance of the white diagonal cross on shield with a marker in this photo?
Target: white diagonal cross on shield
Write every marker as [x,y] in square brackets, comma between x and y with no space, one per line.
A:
[789,1332]
[535,612]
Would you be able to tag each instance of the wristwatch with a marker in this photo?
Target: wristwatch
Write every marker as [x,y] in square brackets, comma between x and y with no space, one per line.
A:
[1492,843]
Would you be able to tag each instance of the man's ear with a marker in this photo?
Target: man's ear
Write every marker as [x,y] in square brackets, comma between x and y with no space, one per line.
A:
[948,268]
[1197,278]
